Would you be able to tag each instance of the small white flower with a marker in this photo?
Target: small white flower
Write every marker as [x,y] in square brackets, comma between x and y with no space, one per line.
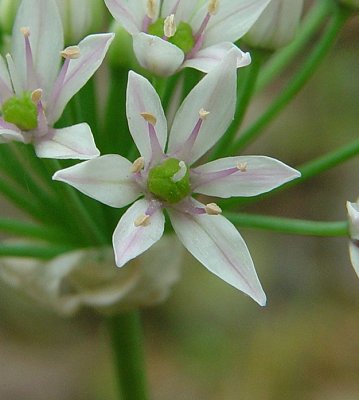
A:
[173,34]
[88,278]
[168,180]
[353,215]
[34,90]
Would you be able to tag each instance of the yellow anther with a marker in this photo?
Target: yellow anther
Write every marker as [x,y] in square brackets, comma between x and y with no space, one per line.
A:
[138,165]
[213,7]
[169,26]
[203,113]
[212,209]
[25,30]
[151,9]
[150,118]
[36,95]
[142,220]
[242,166]
[71,52]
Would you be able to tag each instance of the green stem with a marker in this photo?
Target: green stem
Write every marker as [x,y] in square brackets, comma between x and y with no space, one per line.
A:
[297,82]
[27,229]
[288,225]
[126,340]
[32,251]
[312,22]
[244,94]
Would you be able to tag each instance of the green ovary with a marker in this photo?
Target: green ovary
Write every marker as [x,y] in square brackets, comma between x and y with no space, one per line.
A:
[21,111]
[183,38]
[160,182]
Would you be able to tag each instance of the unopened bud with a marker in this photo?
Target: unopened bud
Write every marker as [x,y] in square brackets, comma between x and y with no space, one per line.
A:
[276,26]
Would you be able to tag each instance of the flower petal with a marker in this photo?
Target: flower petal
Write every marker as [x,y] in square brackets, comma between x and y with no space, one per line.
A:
[142,97]
[130,240]
[130,14]
[254,175]
[215,93]
[155,54]
[46,38]
[183,9]
[217,244]
[209,57]
[10,132]
[92,52]
[232,20]
[106,179]
[354,256]
[75,142]
[353,214]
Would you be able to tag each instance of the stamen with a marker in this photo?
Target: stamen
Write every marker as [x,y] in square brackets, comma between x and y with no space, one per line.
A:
[212,209]
[151,9]
[25,30]
[213,7]
[169,26]
[71,52]
[142,220]
[242,166]
[150,118]
[138,165]
[203,113]
[36,96]
[181,173]
[30,70]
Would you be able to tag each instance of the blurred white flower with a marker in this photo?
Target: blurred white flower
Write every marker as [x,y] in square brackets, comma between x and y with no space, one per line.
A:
[276,26]
[89,278]
[353,215]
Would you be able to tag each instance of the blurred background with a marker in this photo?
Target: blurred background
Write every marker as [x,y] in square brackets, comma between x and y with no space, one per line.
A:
[209,341]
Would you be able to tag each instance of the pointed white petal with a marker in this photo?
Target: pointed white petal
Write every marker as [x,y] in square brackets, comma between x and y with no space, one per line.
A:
[141,97]
[231,22]
[255,175]
[354,256]
[183,9]
[106,179]
[209,57]
[75,142]
[92,52]
[215,93]
[5,83]
[155,54]
[46,38]
[10,133]
[129,240]
[217,244]
[130,14]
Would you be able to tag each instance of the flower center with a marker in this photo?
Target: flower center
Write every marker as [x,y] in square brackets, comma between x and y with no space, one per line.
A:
[182,38]
[169,181]
[21,111]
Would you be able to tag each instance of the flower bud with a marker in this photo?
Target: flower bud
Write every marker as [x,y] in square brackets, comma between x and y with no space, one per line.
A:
[90,278]
[80,17]
[277,25]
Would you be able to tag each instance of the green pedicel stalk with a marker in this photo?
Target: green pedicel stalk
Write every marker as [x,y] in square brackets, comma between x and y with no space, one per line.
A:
[126,339]
[296,83]
[289,225]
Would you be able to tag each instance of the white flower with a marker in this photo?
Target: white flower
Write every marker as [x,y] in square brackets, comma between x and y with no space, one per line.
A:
[277,25]
[173,34]
[167,181]
[34,90]
[353,215]
[88,277]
